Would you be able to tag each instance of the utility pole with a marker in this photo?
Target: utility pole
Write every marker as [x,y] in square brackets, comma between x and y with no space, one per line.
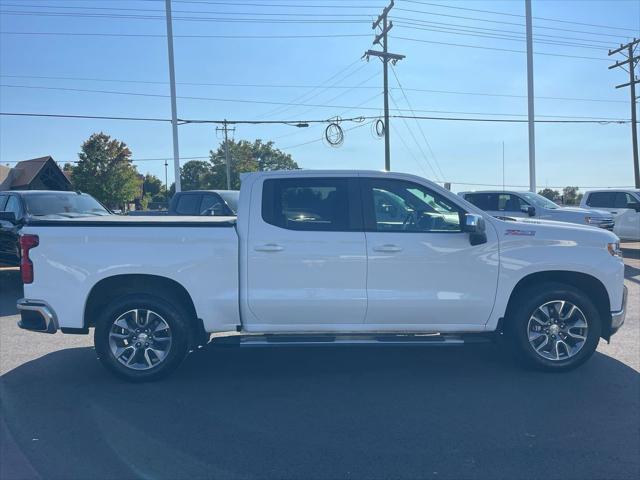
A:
[174,108]
[225,128]
[632,59]
[385,56]
[530,98]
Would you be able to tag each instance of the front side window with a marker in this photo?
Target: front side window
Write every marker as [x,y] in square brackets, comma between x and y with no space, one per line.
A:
[510,203]
[623,200]
[63,204]
[401,206]
[309,204]
[212,205]
[3,201]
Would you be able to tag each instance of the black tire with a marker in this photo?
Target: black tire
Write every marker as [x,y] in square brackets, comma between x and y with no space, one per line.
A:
[517,326]
[175,317]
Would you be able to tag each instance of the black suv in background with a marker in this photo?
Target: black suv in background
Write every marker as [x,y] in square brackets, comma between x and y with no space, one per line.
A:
[18,206]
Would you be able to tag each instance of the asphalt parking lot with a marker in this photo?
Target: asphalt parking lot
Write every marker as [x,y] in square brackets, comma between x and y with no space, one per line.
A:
[465,412]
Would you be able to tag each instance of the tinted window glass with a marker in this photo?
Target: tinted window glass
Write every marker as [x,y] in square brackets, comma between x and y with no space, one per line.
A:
[13,205]
[214,204]
[509,203]
[188,204]
[320,204]
[3,200]
[602,199]
[231,197]
[63,204]
[623,200]
[400,206]
[484,201]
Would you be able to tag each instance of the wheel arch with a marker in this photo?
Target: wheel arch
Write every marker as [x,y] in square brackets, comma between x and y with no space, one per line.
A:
[590,285]
[110,288]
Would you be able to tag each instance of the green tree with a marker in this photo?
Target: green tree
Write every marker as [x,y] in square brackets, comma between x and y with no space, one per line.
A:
[152,185]
[196,175]
[553,195]
[570,196]
[246,157]
[106,172]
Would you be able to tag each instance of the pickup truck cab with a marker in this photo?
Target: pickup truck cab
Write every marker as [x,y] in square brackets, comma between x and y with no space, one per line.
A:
[528,204]
[624,205]
[324,258]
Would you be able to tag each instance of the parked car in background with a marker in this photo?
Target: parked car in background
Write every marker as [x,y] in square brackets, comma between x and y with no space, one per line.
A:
[624,205]
[501,203]
[18,206]
[218,203]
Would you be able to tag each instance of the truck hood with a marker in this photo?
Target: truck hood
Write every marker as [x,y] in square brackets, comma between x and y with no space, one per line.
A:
[587,212]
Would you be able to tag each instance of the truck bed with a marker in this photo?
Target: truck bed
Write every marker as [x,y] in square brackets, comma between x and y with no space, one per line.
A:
[137,221]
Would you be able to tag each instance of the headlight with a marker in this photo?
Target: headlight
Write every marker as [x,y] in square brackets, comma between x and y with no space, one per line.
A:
[614,249]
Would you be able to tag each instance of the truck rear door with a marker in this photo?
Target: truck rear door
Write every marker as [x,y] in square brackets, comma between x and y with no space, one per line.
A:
[306,254]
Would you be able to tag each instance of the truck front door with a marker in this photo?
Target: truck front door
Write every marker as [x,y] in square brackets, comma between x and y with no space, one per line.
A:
[423,272]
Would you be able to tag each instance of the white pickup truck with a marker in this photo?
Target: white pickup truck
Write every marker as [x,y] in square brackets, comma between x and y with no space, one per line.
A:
[323,258]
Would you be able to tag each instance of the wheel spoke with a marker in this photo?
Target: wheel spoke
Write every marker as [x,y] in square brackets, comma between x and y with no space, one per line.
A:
[575,335]
[543,343]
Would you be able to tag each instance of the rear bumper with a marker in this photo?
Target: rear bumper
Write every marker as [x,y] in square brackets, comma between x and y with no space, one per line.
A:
[37,316]
[617,318]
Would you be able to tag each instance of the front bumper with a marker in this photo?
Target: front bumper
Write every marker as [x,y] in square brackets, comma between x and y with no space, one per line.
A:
[617,318]
[37,316]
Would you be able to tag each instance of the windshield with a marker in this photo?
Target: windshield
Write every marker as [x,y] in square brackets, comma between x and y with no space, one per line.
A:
[64,205]
[538,200]
[231,199]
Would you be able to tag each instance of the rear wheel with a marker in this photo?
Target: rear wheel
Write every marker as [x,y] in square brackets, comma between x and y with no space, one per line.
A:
[142,337]
[554,327]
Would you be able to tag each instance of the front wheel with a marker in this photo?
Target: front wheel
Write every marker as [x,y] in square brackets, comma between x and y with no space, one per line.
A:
[142,337]
[554,327]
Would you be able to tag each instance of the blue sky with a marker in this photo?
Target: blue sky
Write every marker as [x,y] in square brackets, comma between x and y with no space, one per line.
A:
[286,69]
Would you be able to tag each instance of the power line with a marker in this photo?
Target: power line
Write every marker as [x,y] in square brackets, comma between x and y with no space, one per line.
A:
[266,102]
[302,122]
[498,49]
[341,87]
[501,37]
[424,137]
[162,35]
[501,22]
[548,19]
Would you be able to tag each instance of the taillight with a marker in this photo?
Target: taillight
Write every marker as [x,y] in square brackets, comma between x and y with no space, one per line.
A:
[27,242]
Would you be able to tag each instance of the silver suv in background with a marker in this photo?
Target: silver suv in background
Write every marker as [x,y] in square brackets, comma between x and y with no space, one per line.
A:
[623,204]
[501,203]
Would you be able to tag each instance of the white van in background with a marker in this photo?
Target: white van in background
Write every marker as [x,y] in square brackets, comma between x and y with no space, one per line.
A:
[623,204]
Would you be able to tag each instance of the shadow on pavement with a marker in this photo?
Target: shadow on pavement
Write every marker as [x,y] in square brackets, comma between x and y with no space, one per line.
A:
[326,413]
[10,291]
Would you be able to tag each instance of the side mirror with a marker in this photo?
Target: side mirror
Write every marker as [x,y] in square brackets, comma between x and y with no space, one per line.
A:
[9,217]
[476,227]
[634,206]
[529,210]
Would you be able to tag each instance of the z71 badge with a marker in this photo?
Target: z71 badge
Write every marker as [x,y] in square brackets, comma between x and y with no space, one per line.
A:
[520,233]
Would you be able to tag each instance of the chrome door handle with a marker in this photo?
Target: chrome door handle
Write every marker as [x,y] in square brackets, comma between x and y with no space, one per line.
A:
[387,248]
[269,247]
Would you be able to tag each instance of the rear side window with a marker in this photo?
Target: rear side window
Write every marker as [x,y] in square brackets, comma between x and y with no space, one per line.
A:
[308,204]
[602,199]
[484,201]
[188,204]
